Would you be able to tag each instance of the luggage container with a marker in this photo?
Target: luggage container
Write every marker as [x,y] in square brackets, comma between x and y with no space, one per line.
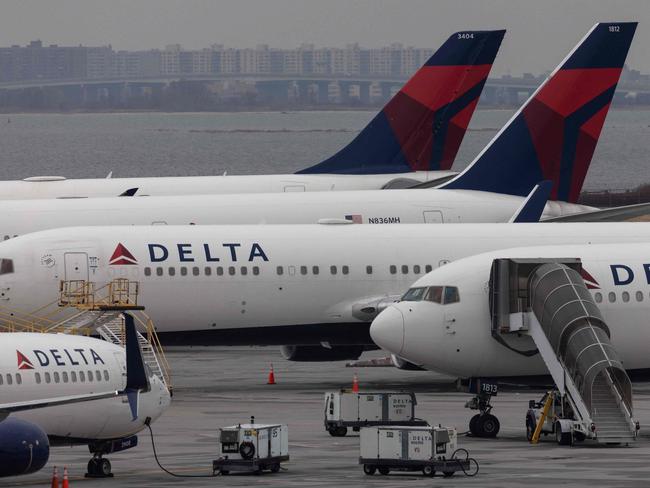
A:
[252,447]
[345,409]
[413,448]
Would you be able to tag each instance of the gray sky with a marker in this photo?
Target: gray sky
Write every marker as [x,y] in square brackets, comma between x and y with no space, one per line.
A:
[540,32]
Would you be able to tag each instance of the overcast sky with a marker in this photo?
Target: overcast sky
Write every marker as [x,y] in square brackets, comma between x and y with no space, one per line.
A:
[540,32]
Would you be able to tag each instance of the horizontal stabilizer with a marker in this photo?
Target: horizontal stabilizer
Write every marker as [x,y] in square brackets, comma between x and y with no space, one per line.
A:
[628,213]
[422,126]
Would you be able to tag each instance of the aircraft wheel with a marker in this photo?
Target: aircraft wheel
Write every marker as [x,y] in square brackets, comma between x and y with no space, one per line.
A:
[488,426]
[472,425]
[104,467]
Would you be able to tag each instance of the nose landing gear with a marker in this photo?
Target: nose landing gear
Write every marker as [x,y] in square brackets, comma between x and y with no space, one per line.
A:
[99,466]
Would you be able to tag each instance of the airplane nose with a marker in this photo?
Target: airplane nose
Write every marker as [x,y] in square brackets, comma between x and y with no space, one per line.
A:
[387,330]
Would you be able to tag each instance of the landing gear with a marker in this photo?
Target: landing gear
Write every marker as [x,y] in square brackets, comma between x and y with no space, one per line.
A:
[483,424]
[99,467]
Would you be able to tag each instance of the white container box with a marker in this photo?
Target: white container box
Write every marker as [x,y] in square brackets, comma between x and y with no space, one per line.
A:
[407,443]
[252,447]
[353,409]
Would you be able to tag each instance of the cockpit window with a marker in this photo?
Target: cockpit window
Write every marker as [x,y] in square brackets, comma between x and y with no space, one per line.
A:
[451,294]
[414,294]
[434,294]
[6,266]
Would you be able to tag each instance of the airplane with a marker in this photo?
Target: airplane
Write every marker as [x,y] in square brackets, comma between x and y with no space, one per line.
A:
[61,390]
[450,320]
[413,139]
[508,156]
[313,289]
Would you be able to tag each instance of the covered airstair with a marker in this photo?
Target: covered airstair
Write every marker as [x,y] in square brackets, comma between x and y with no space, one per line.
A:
[549,301]
[84,308]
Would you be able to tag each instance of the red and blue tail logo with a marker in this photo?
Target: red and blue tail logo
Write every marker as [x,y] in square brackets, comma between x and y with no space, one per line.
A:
[553,136]
[422,126]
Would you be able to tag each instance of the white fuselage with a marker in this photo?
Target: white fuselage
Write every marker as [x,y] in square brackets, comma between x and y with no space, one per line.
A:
[56,187]
[264,282]
[456,338]
[19,217]
[59,365]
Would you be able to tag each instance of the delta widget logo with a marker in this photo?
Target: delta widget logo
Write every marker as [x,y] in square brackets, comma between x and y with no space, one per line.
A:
[122,255]
[23,362]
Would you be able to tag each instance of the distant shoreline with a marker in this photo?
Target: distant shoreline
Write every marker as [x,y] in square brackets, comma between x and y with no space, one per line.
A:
[351,108]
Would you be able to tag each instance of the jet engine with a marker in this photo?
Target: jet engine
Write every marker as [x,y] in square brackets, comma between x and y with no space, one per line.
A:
[400,363]
[24,447]
[320,353]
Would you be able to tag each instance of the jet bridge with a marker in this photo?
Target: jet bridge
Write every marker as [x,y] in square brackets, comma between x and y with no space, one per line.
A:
[548,300]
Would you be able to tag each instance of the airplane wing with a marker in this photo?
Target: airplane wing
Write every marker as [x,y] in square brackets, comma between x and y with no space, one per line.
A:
[628,213]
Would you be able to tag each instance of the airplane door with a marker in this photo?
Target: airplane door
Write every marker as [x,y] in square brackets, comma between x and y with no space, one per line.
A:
[432,217]
[76,266]
[289,188]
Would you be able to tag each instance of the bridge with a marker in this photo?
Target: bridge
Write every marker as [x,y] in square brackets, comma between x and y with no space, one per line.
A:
[276,86]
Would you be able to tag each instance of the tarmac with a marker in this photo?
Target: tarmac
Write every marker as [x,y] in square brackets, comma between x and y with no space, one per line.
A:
[221,386]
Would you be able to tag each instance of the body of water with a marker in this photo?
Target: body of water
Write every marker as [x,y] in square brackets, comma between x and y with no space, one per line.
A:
[178,144]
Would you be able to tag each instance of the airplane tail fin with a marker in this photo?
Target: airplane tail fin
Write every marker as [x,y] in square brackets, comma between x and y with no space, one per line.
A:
[554,134]
[422,126]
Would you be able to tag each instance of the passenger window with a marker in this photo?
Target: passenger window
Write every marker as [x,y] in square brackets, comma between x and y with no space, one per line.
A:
[369,270]
[315,270]
[171,270]
[434,294]
[159,271]
[256,270]
[38,378]
[90,376]
[10,380]
[57,377]
[183,271]
[1,380]
[48,379]
[106,375]
[208,271]
[19,379]
[280,270]
[598,297]
[639,296]
[625,296]
[82,376]
[6,266]
[73,376]
[196,271]
[219,271]
[345,270]
[393,269]
[65,376]
[303,270]
[416,269]
[414,294]
[428,268]
[333,270]
[405,269]
[451,294]
[243,270]
[98,375]
[612,297]
[147,271]
[231,270]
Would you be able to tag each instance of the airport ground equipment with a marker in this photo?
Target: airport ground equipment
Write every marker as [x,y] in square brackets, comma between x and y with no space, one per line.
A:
[345,408]
[252,448]
[547,300]
[413,448]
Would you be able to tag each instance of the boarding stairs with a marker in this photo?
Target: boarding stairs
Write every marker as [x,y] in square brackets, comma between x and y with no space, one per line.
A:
[84,308]
[550,302]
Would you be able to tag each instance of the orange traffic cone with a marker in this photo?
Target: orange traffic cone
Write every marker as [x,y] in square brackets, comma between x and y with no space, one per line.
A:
[271,377]
[66,483]
[55,478]
[355,383]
